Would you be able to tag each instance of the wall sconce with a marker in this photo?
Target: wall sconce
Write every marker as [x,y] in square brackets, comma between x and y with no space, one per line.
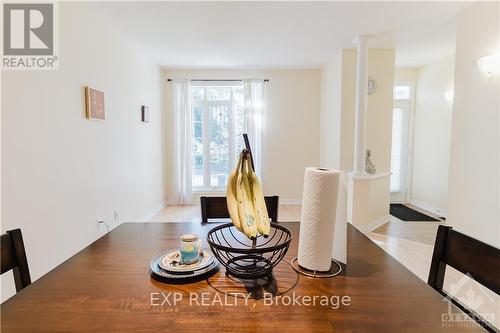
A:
[489,64]
[448,95]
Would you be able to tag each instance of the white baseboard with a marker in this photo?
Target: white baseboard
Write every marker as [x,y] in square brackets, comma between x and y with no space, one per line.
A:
[373,225]
[153,212]
[422,205]
[290,202]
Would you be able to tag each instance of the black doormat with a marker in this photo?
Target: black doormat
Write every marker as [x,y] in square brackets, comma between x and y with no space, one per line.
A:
[405,213]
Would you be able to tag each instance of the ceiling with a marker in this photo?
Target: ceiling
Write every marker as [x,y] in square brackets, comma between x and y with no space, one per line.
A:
[281,34]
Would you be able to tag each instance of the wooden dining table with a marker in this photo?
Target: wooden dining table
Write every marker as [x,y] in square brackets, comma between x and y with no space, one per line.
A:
[107,287]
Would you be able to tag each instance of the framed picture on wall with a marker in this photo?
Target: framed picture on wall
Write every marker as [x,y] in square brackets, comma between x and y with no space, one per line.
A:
[145,113]
[94,104]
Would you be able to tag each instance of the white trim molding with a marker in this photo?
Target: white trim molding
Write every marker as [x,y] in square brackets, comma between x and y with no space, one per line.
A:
[149,215]
[422,205]
[373,225]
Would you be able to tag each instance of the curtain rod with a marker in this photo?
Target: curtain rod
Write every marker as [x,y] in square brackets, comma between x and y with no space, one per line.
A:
[215,80]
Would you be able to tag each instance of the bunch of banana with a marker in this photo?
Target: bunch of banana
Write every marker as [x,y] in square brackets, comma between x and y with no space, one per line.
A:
[245,200]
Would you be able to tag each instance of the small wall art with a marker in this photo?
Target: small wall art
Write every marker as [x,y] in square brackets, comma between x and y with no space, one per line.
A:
[94,104]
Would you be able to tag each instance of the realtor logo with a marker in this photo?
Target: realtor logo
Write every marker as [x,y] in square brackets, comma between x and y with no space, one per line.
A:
[475,297]
[28,29]
[28,36]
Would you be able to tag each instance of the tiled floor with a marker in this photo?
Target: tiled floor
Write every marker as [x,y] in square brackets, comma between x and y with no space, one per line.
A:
[416,256]
[421,232]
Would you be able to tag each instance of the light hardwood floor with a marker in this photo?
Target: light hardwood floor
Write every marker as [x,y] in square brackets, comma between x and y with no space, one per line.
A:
[193,214]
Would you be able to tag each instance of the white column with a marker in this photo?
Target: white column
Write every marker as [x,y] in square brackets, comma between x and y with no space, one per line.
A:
[361,104]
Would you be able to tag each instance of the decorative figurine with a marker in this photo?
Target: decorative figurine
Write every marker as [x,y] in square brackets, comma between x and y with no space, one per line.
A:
[369,167]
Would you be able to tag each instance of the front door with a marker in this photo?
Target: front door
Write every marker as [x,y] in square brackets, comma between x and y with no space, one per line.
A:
[400,156]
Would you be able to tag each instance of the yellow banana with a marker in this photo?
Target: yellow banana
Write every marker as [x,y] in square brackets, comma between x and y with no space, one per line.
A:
[232,202]
[245,204]
[259,203]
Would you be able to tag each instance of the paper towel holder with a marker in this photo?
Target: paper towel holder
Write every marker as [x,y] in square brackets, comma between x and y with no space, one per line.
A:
[314,273]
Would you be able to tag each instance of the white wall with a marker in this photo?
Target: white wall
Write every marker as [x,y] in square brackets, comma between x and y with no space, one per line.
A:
[60,171]
[291,126]
[379,115]
[337,126]
[331,113]
[370,201]
[432,133]
[473,204]
[338,109]
[405,75]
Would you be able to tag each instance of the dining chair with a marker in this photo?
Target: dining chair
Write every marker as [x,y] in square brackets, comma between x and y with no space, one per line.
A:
[469,256]
[216,208]
[14,257]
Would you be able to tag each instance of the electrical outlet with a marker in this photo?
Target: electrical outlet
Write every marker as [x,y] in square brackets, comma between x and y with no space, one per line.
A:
[116,216]
[100,221]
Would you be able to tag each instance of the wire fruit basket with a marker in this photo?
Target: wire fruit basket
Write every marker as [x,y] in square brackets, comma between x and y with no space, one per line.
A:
[249,258]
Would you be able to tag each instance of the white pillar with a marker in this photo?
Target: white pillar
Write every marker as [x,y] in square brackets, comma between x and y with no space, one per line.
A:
[361,104]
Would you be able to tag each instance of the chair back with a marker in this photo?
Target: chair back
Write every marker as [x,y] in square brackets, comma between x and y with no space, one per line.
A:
[469,256]
[14,257]
[216,208]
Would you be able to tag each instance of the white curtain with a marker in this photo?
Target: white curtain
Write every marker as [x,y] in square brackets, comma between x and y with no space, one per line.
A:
[182,141]
[254,105]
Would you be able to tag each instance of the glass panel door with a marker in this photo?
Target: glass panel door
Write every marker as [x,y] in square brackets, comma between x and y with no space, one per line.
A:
[219,143]
[400,151]
[197,177]
[218,117]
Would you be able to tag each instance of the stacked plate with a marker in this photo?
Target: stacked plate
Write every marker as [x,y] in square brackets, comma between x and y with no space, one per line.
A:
[170,266]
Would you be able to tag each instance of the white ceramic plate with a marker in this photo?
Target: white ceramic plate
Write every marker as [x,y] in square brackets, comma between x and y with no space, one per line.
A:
[171,262]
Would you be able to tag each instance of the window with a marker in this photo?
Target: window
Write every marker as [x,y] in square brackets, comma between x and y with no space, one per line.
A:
[402,92]
[218,122]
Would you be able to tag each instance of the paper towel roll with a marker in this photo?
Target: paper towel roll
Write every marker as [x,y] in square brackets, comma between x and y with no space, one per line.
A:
[319,205]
